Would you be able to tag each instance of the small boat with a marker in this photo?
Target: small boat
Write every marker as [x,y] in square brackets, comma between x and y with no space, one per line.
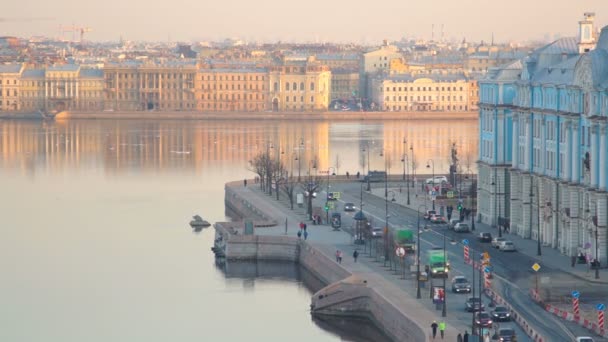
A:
[198,221]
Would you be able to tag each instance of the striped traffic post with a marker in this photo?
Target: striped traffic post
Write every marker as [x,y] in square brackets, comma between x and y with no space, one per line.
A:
[600,316]
[575,309]
[486,277]
[465,242]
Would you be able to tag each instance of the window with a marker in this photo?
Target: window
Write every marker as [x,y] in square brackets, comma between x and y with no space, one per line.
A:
[295,86]
[312,99]
[287,86]
[301,86]
[312,86]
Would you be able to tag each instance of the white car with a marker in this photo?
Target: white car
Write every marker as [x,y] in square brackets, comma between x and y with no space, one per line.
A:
[437,180]
[584,339]
[497,241]
[507,246]
[461,228]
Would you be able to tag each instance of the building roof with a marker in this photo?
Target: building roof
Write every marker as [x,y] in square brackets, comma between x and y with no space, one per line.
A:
[235,70]
[434,77]
[558,74]
[91,73]
[13,68]
[64,67]
[33,74]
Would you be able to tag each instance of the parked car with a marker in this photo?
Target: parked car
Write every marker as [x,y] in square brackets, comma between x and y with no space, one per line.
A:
[508,334]
[501,313]
[453,222]
[437,180]
[483,319]
[460,284]
[461,228]
[485,237]
[507,246]
[377,232]
[349,207]
[473,304]
[438,219]
[584,339]
[429,213]
[497,241]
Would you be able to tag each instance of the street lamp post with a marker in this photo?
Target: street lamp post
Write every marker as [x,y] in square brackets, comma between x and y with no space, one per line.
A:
[299,157]
[445,292]
[386,216]
[404,157]
[597,256]
[538,250]
[368,184]
[405,161]
[497,205]
[428,165]
[327,197]
[418,295]
[411,159]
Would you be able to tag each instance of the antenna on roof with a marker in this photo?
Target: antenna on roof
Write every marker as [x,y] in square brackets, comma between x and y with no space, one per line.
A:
[442,32]
[432,32]
[492,38]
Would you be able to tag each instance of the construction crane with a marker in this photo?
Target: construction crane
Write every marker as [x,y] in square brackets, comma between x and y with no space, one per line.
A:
[74,29]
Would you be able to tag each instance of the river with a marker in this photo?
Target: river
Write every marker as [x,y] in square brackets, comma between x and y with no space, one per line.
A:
[95,238]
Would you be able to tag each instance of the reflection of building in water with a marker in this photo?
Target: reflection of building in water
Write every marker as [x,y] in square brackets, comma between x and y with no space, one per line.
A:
[195,146]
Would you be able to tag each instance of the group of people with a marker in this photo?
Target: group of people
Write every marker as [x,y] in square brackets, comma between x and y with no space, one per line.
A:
[339,256]
[303,231]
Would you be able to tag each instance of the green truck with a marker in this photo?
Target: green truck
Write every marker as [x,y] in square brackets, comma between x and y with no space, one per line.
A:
[405,238]
[438,263]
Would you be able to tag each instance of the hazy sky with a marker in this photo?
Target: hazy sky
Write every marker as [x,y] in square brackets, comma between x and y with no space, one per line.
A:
[305,21]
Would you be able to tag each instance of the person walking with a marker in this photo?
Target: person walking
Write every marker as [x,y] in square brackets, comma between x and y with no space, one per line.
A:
[340,257]
[465,338]
[459,337]
[305,235]
[434,329]
[245,182]
[301,225]
[442,328]
[355,255]
[299,234]
[347,175]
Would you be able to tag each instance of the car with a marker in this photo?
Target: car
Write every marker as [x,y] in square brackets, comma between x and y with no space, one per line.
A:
[349,207]
[483,319]
[377,232]
[497,241]
[438,219]
[461,228]
[507,246]
[429,213]
[460,284]
[484,237]
[501,313]
[453,223]
[331,196]
[473,304]
[507,334]
[437,180]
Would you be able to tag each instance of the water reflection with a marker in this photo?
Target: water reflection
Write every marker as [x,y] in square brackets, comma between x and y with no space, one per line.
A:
[122,146]
[351,329]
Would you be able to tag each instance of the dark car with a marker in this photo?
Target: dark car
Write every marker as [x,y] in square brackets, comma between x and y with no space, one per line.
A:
[501,313]
[349,206]
[485,237]
[506,334]
[460,284]
[483,319]
[473,304]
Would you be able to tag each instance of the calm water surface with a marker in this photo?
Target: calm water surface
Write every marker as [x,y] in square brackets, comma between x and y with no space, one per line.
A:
[95,242]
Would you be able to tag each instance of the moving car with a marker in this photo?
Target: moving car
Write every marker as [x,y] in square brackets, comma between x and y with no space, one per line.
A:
[483,319]
[377,232]
[473,304]
[497,241]
[349,206]
[484,237]
[429,213]
[460,284]
[501,313]
[437,180]
[438,219]
[461,228]
[508,334]
[453,223]
[507,246]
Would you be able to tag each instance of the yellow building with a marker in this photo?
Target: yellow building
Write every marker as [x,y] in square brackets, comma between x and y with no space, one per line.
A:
[10,80]
[299,86]
[150,86]
[222,90]
[425,93]
[32,90]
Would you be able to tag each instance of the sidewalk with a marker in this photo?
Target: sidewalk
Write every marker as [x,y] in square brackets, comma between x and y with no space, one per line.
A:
[551,257]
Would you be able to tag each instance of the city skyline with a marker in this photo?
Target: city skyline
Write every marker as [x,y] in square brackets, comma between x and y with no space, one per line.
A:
[337,21]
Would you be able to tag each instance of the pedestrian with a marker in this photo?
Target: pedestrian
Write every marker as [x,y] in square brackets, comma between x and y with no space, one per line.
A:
[355,255]
[572,260]
[358,174]
[459,337]
[442,328]
[338,256]
[434,329]
[245,182]
[301,225]
[465,338]
[347,175]
[305,235]
[299,234]
[305,226]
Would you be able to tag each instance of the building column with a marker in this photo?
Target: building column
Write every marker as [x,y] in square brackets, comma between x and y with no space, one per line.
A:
[602,169]
[575,219]
[602,226]
[515,142]
[576,159]
[528,146]
[594,155]
[524,230]
[568,151]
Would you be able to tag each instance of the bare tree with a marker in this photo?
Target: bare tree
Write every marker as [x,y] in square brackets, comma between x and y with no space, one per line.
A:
[259,165]
[278,174]
[289,187]
[310,186]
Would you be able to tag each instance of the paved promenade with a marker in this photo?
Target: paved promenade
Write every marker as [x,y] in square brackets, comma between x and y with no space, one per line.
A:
[399,292]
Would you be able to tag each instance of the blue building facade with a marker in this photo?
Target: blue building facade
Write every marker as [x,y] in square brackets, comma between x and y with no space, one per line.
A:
[543,144]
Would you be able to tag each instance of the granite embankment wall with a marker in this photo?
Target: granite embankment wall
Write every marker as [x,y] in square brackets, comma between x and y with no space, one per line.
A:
[352,298]
[267,115]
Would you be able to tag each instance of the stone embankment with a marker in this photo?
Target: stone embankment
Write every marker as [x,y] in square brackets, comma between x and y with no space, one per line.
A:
[349,294]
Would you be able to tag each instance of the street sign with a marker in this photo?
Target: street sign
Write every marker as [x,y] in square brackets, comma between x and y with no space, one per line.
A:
[536,267]
[400,251]
[487,269]
[450,194]
[337,195]
[486,255]
[576,294]
[465,242]
[600,307]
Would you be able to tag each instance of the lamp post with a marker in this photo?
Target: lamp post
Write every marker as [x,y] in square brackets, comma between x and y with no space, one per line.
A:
[327,198]
[368,184]
[407,183]
[411,159]
[386,216]
[497,205]
[385,173]
[444,309]
[301,147]
[538,250]
[428,165]
[418,253]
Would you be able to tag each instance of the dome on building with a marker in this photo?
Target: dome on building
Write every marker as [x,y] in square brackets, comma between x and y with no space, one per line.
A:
[602,42]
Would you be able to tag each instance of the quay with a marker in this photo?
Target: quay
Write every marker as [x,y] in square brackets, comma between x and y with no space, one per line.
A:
[353,288]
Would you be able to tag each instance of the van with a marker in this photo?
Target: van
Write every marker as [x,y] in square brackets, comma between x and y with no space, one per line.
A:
[437,180]
[375,176]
